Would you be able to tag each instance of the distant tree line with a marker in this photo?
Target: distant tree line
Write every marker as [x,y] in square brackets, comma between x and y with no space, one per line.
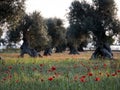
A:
[43,34]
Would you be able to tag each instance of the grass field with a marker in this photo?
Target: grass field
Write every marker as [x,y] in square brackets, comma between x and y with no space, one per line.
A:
[59,72]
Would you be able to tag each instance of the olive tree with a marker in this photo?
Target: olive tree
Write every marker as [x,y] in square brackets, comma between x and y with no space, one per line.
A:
[33,31]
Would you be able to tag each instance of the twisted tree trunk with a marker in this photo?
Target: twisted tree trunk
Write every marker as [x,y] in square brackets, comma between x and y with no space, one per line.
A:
[103,51]
[26,50]
[80,48]
[25,47]
[47,51]
[73,50]
[60,48]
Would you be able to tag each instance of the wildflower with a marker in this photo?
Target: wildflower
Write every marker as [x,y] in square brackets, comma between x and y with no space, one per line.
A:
[53,68]
[97,79]
[50,78]
[9,67]
[10,76]
[4,79]
[105,65]
[118,71]
[114,74]
[90,74]
[83,76]
[49,70]
[107,74]
[82,79]
[41,65]
[17,81]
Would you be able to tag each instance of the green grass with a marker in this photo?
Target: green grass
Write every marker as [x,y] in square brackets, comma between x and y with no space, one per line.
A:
[34,74]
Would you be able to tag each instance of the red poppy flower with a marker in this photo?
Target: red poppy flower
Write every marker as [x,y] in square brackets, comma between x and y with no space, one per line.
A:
[9,67]
[17,81]
[97,79]
[50,78]
[105,65]
[90,74]
[114,74]
[82,80]
[83,77]
[53,68]
[118,71]
[41,65]
[4,79]
[49,70]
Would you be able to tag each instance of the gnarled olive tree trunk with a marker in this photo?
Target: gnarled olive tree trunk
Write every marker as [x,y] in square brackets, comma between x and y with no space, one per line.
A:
[80,48]
[47,51]
[73,50]
[25,49]
[60,48]
[102,51]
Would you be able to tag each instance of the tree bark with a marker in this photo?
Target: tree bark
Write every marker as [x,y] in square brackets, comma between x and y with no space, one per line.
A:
[80,48]
[47,51]
[102,51]
[25,49]
[73,50]
[60,48]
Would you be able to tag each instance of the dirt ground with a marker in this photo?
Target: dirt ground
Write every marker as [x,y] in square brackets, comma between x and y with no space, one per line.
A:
[59,56]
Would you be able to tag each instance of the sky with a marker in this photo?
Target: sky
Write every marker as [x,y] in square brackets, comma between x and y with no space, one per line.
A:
[54,8]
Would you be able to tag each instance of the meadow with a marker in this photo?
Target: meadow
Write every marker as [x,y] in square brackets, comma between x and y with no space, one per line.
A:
[59,72]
